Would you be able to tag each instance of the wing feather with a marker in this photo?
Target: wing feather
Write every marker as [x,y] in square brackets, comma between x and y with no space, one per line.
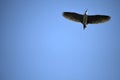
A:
[95,19]
[73,16]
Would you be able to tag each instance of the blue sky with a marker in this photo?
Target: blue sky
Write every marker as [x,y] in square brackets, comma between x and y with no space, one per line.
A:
[38,43]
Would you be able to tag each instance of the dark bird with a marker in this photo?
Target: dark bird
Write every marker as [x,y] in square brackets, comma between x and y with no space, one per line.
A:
[86,19]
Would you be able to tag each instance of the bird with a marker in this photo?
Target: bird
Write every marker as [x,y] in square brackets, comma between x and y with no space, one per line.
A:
[86,19]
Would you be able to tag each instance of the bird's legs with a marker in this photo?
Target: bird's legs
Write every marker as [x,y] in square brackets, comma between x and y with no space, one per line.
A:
[84,26]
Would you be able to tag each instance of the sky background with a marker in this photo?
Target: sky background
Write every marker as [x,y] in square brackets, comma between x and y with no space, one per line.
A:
[38,43]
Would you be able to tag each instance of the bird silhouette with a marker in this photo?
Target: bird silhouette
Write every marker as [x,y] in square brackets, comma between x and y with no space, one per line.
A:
[86,19]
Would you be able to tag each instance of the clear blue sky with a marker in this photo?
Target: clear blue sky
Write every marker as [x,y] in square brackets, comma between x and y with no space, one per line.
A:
[38,43]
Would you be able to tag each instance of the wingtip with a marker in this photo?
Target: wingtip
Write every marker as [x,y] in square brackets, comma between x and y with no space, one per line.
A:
[109,17]
[65,14]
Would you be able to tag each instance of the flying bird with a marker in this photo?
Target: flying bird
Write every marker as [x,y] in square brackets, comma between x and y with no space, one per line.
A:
[86,19]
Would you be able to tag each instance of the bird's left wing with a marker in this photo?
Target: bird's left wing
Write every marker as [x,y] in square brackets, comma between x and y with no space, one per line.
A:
[95,19]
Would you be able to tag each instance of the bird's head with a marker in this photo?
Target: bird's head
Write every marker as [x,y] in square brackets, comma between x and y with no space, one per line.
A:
[86,12]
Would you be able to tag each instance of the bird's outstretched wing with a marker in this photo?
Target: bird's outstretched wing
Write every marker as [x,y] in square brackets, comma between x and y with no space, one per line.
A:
[95,19]
[73,16]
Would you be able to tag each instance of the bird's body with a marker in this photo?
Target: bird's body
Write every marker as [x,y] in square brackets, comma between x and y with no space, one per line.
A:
[86,19]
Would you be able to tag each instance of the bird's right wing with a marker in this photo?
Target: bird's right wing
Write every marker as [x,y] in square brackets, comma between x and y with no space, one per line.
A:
[73,16]
[95,19]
